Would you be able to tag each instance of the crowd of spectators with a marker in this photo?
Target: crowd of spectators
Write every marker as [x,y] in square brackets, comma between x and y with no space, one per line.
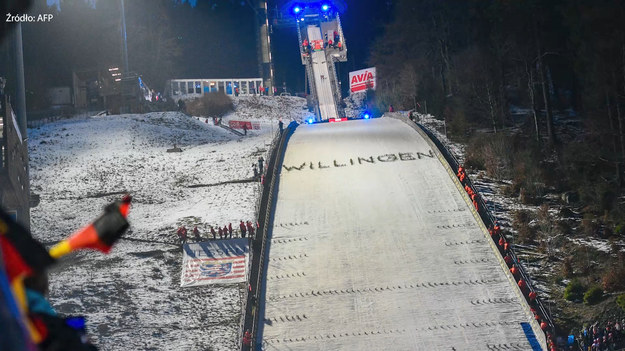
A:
[226,232]
[610,337]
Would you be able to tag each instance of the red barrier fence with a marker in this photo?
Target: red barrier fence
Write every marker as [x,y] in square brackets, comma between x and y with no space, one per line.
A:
[244,124]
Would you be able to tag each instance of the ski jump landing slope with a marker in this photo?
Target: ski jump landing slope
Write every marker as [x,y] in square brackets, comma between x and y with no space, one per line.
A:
[375,248]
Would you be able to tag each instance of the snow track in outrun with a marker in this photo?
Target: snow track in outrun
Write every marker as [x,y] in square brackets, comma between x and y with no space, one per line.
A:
[368,231]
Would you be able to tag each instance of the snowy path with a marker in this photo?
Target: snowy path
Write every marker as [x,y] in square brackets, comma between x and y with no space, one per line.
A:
[374,248]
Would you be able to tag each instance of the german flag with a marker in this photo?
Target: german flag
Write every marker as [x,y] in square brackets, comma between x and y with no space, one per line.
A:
[21,256]
[99,235]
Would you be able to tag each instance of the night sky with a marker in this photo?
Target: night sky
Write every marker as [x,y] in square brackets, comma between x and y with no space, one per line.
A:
[362,22]
[217,39]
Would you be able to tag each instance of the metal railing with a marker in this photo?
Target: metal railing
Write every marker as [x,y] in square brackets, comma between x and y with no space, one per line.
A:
[259,243]
[336,91]
[340,28]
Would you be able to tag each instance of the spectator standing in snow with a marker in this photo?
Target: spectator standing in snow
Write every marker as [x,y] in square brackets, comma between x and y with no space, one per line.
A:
[226,232]
[242,227]
[214,233]
[255,170]
[181,105]
[196,234]
[244,128]
[230,229]
[260,164]
[221,232]
[250,229]
[281,125]
[182,234]
[390,108]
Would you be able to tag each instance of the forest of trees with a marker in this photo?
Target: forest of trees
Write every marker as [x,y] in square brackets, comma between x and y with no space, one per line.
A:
[537,91]
[477,63]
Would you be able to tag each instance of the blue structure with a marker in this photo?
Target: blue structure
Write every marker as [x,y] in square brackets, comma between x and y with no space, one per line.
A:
[297,7]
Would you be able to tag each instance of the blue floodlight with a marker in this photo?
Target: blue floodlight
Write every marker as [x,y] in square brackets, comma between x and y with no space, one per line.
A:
[297,9]
[302,19]
[325,7]
[366,115]
[310,121]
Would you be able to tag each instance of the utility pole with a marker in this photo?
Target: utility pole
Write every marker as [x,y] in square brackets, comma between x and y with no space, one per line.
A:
[263,44]
[21,85]
[124,37]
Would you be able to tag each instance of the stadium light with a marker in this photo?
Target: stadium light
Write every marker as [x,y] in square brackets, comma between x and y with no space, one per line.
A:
[325,7]
[310,121]
[297,9]
[366,115]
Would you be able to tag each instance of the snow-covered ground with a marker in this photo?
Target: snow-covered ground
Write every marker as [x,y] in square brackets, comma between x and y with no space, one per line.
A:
[132,297]
[375,247]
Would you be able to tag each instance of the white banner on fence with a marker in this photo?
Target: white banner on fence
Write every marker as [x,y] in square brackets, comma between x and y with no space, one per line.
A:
[215,262]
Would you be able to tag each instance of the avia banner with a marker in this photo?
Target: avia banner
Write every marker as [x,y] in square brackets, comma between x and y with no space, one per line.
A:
[215,262]
[362,80]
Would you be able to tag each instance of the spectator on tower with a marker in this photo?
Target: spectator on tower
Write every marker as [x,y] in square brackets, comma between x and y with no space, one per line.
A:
[221,232]
[336,37]
[226,231]
[213,233]
[230,229]
[339,45]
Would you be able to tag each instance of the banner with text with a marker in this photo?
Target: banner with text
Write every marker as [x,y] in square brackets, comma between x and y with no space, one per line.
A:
[359,81]
[244,124]
[215,262]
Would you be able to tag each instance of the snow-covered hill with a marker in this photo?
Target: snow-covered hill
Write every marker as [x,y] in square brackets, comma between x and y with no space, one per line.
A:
[131,297]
